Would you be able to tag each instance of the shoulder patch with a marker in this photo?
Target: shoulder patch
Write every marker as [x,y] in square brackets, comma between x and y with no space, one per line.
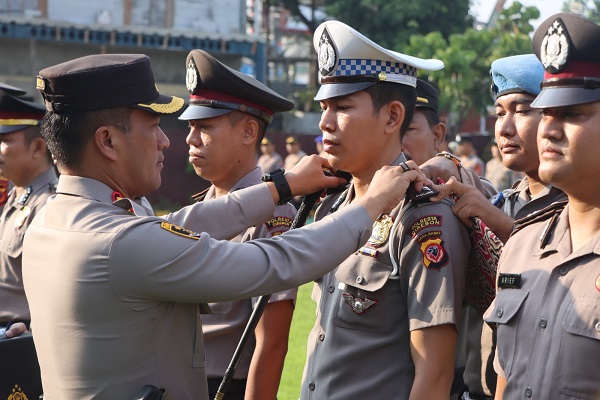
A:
[424,222]
[178,230]
[432,246]
[278,222]
[540,215]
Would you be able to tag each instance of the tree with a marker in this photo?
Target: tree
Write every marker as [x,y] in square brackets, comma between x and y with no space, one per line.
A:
[464,82]
[589,9]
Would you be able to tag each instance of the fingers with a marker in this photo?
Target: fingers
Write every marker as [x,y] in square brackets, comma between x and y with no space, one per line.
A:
[451,188]
[16,329]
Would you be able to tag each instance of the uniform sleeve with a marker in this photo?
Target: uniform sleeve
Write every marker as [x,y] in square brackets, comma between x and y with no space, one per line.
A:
[150,260]
[433,265]
[227,216]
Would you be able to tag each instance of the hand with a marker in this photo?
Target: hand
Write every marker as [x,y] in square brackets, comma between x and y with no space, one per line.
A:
[16,329]
[440,167]
[470,202]
[308,176]
[388,187]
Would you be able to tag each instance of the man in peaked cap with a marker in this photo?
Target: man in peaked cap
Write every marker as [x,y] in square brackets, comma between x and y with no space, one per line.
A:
[26,162]
[295,152]
[387,316]
[114,293]
[269,159]
[549,275]
[222,150]
[515,84]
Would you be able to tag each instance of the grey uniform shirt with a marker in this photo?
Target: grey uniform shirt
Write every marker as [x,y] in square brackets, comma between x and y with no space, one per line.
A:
[549,319]
[114,296]
[14,221]
[479,374]
[359,347]
[224,327]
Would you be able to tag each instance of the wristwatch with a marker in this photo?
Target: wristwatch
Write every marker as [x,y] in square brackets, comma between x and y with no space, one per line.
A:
[454,159]
[281,184]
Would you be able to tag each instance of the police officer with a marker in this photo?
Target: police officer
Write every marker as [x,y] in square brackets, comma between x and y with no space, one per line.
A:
[223,140]
[515,83]
[114,294]
[269,159]
[26,162]
[546,308]
[387,316]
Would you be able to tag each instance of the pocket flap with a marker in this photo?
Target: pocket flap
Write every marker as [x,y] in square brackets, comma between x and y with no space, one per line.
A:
[363,272]
[506,305]
[583,318]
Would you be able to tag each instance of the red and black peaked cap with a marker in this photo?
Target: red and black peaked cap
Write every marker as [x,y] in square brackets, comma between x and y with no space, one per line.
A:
[216,89]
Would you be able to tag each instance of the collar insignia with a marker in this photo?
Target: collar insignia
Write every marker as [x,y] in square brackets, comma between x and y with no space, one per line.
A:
[555,47]
[358,304]
[25,195]
[327,55]
[191,77]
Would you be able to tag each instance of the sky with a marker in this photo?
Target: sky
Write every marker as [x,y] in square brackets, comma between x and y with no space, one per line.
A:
[482,9]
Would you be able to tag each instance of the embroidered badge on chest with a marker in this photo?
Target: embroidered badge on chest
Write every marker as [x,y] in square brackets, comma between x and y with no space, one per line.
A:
[178,230]
[432,246]
[381,230]
[358,304]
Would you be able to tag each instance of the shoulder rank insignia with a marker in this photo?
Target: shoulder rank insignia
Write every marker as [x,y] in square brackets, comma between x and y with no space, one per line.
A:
[178,230]
[358,304]
[22,216]
[551,212]
[381,230]
[432,247]
[200,196]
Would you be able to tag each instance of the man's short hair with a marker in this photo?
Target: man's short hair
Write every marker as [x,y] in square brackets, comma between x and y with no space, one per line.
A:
[383,93]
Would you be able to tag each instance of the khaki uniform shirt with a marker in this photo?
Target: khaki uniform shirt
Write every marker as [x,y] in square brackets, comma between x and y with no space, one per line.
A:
[16,217]
[549,317]
[114,296]
[224,327]
[293,159]
[359,347]
[268,163]
[479,375]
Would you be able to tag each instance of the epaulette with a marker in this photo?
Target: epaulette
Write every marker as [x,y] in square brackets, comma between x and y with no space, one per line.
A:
[552,211]
[198,197]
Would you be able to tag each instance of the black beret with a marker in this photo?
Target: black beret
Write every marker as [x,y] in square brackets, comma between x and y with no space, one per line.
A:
[427,96]
[215,89]
[567,46]
[17,114]
[103,81]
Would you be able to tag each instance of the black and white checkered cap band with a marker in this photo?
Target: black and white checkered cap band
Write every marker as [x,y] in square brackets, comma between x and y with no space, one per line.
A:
[351,67]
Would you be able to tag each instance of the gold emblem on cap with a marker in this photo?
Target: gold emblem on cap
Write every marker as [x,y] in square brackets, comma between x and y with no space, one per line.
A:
[422,100]
[382,76]
[191,77]
[40,84]
[381,230]
[17,394]
[555,48]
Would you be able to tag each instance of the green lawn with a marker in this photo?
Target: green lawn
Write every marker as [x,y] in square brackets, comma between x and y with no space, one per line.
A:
[304,317]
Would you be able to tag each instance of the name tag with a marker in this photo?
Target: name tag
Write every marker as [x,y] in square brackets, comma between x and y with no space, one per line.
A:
[509,281]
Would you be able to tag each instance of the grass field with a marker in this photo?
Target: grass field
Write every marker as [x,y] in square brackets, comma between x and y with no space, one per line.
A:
[304,317]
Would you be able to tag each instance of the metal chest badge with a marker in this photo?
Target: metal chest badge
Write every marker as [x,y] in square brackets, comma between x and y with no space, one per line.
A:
[358,304]
[22,216]
[381,230]
[555,47]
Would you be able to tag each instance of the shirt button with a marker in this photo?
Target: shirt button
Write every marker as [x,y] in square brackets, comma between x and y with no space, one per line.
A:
[563,270]
[322,337]
[330,288]
[543,323]
[597,326]
[500,313]
[311,386]
[359,279]
[528,392]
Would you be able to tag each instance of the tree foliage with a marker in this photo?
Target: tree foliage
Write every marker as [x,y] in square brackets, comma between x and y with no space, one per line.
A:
[589,9]
[464,82]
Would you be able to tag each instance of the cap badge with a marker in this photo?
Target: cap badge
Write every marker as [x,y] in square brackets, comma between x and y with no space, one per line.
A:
[327,55]
[39,83]
[555,47]
[191,77]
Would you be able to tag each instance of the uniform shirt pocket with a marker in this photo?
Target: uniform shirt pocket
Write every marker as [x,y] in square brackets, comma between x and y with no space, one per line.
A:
[579,354]
[365,302]
[502,312]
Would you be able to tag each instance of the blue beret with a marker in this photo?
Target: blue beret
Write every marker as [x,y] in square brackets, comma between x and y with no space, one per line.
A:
[517,74]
